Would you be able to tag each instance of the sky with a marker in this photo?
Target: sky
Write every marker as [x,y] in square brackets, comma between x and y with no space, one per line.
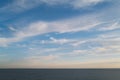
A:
[59,34]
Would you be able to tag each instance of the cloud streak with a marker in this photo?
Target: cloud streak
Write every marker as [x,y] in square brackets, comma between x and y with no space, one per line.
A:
[64,26]
[22,5]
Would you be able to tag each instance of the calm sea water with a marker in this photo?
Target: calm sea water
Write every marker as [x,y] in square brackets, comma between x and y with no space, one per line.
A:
[59,74]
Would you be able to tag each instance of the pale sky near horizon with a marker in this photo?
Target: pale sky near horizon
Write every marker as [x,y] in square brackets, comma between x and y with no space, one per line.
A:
[59,34]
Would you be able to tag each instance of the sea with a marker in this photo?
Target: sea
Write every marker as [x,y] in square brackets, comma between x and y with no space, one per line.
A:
[59,74]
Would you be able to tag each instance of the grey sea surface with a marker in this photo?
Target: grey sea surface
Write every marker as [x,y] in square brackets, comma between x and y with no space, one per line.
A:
[59,74]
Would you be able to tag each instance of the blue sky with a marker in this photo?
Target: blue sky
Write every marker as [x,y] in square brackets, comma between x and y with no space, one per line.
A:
[59,34]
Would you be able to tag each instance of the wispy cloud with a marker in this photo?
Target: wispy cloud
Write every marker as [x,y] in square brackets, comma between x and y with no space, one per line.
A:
[110,26]
[75,4]
[21,5]
[12,28]
[101,45]
[5,41]
[62,26]
[57,41]
[45,58]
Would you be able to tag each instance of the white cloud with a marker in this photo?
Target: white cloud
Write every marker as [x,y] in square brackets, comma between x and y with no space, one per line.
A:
[78,43]
[96,51]
[61,26]
[12,28]
[77,53]
[76,24]
[110,26]
[4,42]
[104,44]
[49,57]
[41,51]
[33,30]
[57,41]
[21,5]
[43,58]
[73,3]
[84,3]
